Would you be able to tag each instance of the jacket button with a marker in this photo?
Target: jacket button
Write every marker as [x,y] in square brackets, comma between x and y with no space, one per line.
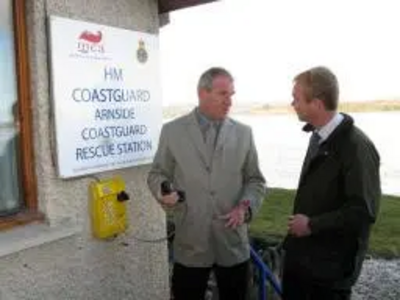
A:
[212,193]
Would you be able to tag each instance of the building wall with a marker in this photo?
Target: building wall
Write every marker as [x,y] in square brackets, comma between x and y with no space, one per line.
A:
[60,259]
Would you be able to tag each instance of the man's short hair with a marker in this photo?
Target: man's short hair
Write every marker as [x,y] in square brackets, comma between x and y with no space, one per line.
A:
[321,83]
[207,78]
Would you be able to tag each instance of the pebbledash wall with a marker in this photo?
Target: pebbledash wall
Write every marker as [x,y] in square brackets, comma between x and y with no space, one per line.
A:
[59,259]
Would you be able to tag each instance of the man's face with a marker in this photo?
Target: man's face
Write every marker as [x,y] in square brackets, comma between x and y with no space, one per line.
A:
[305,110]
[216,102]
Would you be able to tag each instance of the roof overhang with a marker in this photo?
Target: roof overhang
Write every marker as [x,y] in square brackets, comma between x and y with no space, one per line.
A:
[166,6]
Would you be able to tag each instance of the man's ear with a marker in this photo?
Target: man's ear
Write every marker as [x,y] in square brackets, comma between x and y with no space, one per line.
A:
[319,103]
[203,93]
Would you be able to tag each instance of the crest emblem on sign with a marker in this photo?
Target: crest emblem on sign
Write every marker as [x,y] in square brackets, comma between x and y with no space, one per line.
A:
[141,52]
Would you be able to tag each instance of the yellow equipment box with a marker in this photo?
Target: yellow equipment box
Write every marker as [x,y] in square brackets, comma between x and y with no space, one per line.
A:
[108,209]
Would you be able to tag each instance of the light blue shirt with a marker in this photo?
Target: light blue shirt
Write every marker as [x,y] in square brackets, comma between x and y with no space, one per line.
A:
[325,131]
[205,122]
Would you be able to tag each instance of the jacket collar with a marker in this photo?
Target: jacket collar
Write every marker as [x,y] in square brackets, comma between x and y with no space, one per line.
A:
[195,134]
[345,125]
[325,147]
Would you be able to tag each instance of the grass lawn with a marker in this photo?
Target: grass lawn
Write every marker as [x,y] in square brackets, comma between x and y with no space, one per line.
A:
[385,239]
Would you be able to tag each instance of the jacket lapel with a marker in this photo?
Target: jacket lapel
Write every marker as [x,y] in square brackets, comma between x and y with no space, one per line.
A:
[224,132]
[322,152]
[196,136]
[307,159]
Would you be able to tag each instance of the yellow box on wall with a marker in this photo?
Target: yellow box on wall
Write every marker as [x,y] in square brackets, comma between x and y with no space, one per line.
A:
[108,209]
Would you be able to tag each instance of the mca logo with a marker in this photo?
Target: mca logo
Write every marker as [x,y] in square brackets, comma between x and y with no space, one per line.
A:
[141,52]
[94,38]
[90,42]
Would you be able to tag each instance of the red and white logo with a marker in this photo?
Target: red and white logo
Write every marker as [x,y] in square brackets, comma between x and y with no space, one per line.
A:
[90,42]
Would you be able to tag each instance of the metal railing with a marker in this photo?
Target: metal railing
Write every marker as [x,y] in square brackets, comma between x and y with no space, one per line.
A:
[265,276]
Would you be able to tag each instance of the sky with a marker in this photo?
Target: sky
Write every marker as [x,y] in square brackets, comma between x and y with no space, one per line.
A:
[266,43]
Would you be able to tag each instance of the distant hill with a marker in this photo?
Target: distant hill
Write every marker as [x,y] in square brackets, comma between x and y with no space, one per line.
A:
[359,106]
[174,111]
[258,108]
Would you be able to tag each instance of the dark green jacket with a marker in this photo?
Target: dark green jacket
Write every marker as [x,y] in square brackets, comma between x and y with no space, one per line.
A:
[340,193]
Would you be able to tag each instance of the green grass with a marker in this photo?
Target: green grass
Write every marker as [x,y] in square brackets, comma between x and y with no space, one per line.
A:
[385,239]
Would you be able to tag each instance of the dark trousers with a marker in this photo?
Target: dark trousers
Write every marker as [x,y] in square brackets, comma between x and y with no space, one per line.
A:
[190,283]
[296,286]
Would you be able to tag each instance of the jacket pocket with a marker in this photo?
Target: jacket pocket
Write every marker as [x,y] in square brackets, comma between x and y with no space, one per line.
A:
[328,263]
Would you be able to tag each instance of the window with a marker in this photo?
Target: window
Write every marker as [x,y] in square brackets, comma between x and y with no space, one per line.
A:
[10,195]
[18,202]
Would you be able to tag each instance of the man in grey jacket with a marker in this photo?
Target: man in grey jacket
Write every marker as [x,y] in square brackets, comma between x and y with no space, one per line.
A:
[213,159]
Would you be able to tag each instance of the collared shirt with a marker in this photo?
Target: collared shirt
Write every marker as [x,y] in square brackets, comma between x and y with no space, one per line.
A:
[325,131]
[205,122]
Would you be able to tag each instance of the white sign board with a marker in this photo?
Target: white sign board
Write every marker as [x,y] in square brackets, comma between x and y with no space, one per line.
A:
[106,96]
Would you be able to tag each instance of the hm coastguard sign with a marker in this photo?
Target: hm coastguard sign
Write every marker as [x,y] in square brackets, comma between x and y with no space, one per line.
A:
[106,93]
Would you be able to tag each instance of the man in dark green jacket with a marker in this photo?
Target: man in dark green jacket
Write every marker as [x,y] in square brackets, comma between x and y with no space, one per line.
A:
[337,200]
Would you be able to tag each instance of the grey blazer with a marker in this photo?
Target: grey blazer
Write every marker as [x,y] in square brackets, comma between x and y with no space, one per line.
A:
[213,186]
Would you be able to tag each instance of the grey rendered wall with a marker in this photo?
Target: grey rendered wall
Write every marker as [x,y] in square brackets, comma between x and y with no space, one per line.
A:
[77,266]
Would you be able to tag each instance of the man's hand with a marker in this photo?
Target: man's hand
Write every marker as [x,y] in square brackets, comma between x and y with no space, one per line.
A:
[298,225]
[168,201]
[236,217]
